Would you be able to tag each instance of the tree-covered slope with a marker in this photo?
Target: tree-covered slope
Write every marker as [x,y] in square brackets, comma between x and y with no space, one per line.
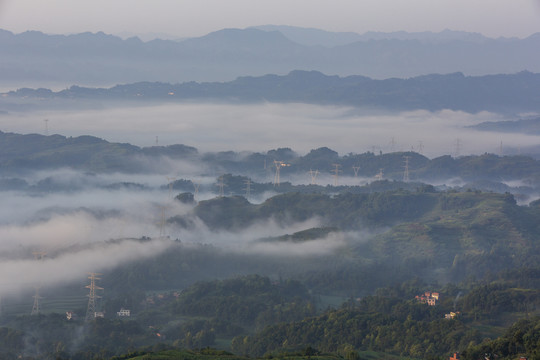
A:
[497,93]
[439,235]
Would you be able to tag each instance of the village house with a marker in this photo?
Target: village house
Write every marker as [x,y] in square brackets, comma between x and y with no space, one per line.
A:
[124,312]
[428,297]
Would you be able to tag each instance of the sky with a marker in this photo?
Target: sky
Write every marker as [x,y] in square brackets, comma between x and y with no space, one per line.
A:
[190,18]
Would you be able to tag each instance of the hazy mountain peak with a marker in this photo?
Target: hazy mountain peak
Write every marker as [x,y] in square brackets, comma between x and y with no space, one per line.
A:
[318,37]
[248,35]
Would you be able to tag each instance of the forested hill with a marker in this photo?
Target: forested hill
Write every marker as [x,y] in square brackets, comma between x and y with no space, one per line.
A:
[445,235]
[498,93]
[20,154]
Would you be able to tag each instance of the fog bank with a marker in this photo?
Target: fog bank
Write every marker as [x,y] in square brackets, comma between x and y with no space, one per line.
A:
[261,127]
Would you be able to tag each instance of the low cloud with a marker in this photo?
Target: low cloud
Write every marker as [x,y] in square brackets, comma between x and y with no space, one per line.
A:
[17,276]
[261,127]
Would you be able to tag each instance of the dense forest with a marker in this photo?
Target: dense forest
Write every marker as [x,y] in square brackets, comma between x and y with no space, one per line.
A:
[288,270]
[476,250]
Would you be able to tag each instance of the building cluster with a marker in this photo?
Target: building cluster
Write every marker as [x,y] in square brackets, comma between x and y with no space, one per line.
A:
[451,315]
[428,297]
[124,313]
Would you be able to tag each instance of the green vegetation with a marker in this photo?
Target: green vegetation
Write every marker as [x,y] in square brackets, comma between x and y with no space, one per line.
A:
[387,242]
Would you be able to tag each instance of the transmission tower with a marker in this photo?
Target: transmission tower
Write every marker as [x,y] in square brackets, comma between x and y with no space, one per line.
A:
[162,221]
[36,308]
[221,186]
[278,164]
[501,149]
[313,175]
[458,144]
[406,171]
[420,147]
[336,173]
[248,188]
[171,181]
[46,127]
[196,187]
[356,169]
[157,140]
[92,296]
[393,145]
[379,175]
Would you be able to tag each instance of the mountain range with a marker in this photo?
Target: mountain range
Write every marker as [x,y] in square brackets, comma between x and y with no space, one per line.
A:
[98,59]
[515,93]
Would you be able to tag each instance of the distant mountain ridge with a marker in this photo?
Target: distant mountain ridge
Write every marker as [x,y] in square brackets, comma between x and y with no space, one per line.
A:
[515,93]
[317,37]
[524,126]
[100,59]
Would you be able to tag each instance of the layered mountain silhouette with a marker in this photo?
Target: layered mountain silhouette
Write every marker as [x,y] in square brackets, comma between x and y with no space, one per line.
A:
[99,59]
[511,94]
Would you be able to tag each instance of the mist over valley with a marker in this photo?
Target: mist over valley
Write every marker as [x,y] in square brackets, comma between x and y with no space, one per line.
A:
[271,191]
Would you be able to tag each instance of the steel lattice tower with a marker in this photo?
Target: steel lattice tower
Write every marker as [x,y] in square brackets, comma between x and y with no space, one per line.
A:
[313,174]
[92,296]
[336,173]
[36,308]
[196,187]
[221,186]
[356,169]
[248,188]
[406,171]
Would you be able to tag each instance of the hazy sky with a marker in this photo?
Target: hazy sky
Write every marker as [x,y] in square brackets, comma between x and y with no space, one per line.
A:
[185,18]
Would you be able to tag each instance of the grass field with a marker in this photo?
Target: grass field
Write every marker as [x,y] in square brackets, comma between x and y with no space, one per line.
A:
[58,304]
